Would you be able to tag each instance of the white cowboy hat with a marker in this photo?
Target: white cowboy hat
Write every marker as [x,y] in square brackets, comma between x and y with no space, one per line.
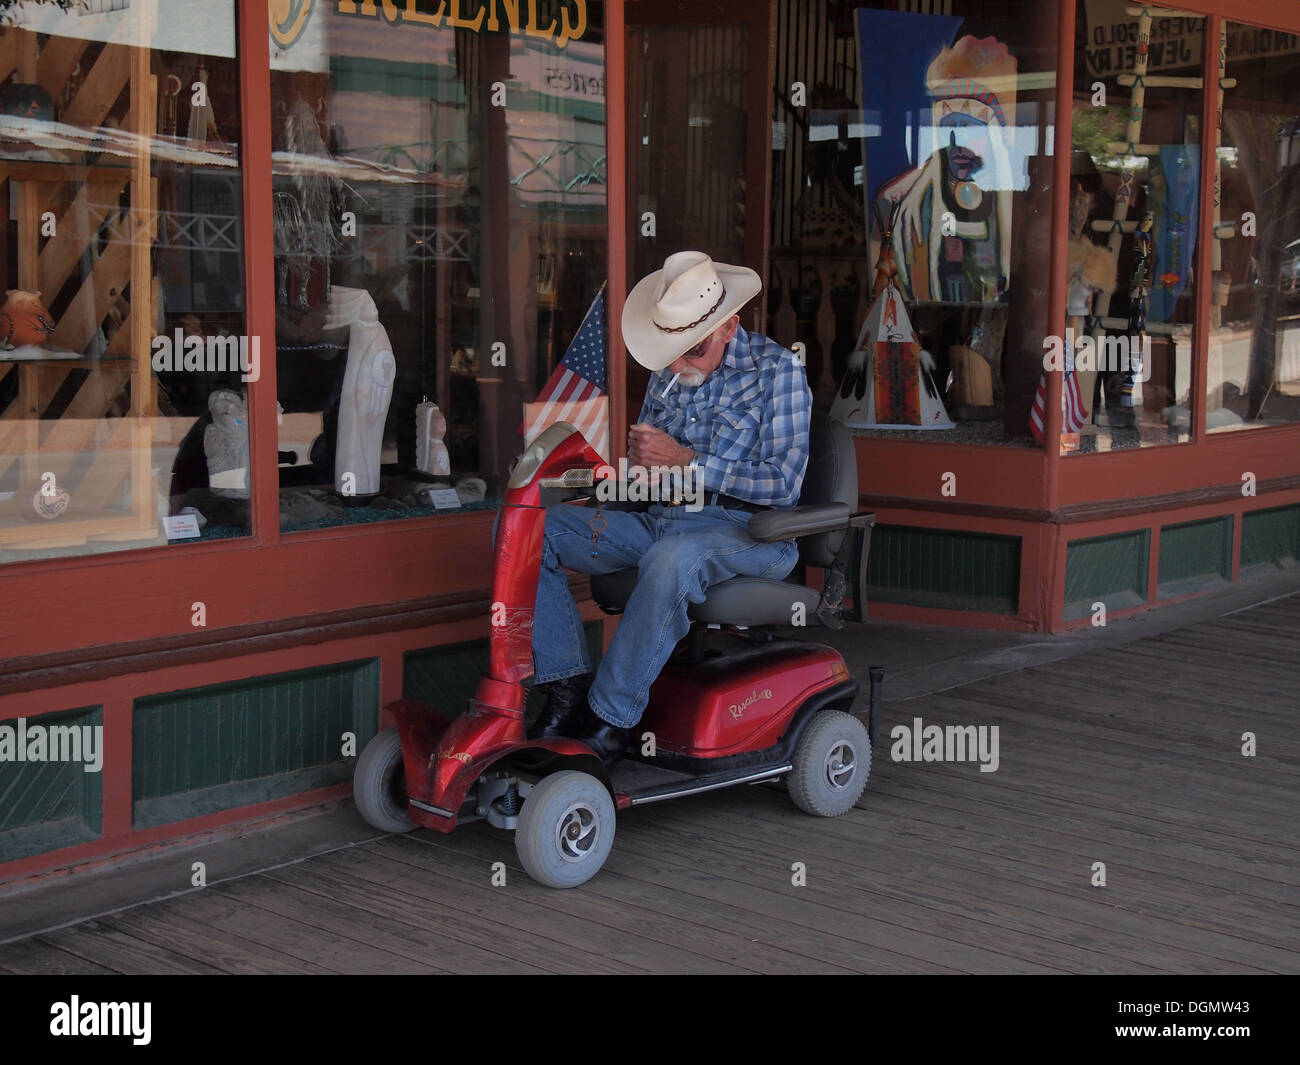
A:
[671,310]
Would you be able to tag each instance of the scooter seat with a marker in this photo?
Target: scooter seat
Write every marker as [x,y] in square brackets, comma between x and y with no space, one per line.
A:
[745,601]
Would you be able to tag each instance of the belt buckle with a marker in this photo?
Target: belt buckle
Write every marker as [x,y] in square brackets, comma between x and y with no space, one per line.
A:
[675,502]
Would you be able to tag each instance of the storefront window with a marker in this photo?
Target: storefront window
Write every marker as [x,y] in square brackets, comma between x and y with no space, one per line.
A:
[928,137]
[1134,208]
[123,354]
[1254,364]
[440,233]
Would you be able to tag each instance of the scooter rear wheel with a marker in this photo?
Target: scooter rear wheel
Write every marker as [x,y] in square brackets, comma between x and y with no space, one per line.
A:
[831,764]
[379,783]
[565,829]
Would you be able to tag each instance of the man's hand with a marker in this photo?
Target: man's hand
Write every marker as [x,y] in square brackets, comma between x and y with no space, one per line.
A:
[648,446]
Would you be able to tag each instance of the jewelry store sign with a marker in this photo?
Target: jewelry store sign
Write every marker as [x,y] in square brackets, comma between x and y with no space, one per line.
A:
[1115,40]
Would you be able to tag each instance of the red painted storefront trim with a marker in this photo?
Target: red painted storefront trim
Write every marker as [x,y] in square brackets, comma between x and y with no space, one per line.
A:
[616,213]
[259,263]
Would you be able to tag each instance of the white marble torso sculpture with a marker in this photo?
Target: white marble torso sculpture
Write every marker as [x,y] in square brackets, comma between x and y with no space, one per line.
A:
[367,391]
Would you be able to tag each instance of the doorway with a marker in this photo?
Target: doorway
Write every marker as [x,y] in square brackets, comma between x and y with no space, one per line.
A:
[698,140]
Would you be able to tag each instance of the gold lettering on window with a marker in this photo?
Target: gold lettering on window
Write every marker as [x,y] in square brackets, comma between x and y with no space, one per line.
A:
[455,18]
[532,30]
[572,31]
[511,9]
[424,17]
[473,14]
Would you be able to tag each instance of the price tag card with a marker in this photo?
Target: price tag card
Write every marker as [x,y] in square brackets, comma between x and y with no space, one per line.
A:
[444,498]
[181,526]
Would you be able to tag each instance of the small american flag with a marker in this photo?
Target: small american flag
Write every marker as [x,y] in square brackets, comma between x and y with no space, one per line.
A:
[576,391]
[1072,408]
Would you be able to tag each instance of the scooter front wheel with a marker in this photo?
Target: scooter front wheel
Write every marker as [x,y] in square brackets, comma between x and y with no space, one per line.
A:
[565,829]
[379,783]
[831,764]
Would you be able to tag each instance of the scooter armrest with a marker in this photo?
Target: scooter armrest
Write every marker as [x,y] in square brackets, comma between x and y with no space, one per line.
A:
[786,523]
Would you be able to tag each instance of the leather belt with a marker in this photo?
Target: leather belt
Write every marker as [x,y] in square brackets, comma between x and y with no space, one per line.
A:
[718,499]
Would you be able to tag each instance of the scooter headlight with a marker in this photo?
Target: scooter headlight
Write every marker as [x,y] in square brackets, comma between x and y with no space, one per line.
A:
[570,479]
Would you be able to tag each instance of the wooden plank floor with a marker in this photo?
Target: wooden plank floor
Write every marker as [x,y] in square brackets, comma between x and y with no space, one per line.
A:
[1128,756]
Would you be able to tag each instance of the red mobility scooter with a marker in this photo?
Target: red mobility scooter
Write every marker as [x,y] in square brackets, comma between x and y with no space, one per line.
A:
[734,705]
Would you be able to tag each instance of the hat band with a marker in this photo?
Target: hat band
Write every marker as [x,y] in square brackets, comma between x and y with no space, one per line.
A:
[698,321]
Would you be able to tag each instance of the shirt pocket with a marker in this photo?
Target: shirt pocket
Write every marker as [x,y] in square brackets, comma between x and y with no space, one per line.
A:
[656,413]
[736,433]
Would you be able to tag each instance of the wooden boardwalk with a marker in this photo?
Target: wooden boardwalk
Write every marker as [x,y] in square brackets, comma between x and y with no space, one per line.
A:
[1128,756]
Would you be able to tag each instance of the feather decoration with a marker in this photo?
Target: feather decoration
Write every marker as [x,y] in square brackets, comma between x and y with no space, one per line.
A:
[302,219]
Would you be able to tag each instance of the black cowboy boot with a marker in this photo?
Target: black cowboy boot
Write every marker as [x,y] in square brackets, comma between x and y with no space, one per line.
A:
[608,741]
[566,701]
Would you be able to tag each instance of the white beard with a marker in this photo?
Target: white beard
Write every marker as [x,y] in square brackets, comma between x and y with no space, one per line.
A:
[691,378]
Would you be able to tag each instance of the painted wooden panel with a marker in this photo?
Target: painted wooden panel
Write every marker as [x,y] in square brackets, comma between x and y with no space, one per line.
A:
[45,805]
[1195,555]
[1106,569]
[212,748]
[1270,537]
[945,570]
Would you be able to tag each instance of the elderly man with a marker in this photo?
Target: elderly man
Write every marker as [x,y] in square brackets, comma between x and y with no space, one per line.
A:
[737,424]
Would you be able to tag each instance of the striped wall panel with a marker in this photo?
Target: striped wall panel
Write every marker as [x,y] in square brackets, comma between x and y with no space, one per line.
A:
[944,570]
[1270,538]
[45,805]
[207,749]
[1195,556]
[1106,569]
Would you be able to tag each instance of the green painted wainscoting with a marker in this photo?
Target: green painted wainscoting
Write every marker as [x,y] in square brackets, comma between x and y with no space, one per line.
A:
[447,677]
[1106,569]
[45,806]
[1270,538]
[943,569]
[207,749]
[1194,556]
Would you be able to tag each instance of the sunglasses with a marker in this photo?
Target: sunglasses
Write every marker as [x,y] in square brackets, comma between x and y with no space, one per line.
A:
[698,351]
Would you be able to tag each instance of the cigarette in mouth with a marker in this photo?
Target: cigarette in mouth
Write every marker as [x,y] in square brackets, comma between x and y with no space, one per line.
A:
[669,387]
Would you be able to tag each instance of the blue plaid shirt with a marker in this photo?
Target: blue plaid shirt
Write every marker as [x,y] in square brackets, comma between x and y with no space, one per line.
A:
[748,422]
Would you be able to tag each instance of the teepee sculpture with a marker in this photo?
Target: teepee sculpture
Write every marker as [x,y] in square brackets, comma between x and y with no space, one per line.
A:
[888,384]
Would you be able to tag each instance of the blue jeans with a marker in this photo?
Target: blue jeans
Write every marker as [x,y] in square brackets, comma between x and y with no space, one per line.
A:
[679,555]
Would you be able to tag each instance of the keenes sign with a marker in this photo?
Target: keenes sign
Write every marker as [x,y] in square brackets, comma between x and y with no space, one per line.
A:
[518,16]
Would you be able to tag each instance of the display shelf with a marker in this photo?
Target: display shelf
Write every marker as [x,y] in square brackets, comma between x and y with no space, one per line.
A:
[20,532]
[102,457]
